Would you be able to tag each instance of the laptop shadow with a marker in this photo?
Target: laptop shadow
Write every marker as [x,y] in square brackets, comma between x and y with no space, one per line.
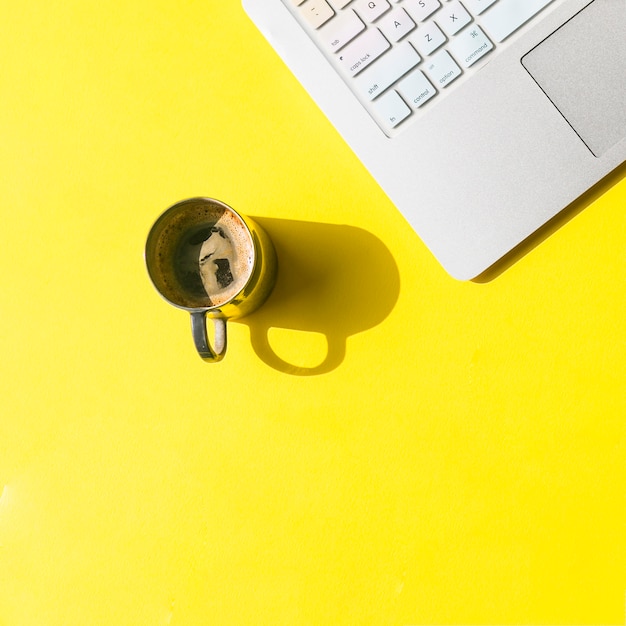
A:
[550,227]
[332,280]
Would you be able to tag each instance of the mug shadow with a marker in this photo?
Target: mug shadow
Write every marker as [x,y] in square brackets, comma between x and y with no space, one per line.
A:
[334,280]
[550,227]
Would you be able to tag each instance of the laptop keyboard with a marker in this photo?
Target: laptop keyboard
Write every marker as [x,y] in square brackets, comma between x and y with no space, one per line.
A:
[401,56]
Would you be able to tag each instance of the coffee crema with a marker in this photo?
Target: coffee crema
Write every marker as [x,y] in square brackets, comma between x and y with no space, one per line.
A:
[205,256]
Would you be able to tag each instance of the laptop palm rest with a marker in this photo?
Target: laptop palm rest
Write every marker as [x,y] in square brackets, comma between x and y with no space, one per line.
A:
[581,67]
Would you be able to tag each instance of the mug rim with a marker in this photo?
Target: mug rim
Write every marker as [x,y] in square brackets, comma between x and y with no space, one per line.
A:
[177,206]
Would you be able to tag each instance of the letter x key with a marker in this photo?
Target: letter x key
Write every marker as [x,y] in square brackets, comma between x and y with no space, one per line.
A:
[453,17]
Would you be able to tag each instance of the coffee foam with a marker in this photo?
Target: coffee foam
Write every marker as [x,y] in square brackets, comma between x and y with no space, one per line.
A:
[205,255]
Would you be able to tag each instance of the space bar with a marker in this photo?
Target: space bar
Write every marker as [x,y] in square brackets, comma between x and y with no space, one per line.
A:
[507,16]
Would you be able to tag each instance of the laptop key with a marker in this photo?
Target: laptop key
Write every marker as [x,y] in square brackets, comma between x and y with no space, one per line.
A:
[506,16]
[416,89]
[371,10]
[396,25]
[356,56]
[391,109]
[453,17]
[317,12]
[421,9]
[478,6]
[428,38]
[472,44]
[396,63]
[338,4]
[343,29]
[442,69]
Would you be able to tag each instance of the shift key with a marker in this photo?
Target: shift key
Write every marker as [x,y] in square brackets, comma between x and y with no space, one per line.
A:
[387,71]
[358,54]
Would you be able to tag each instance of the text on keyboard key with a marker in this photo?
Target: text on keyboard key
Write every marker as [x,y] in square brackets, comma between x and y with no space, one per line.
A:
[416,89]
[469,46]
[358,54]
[396,63]
[396,25]
[391,109]
[371,10]
[428,38]
[338,32]
[316,12]
[453,17]
[442,69]
[421,9]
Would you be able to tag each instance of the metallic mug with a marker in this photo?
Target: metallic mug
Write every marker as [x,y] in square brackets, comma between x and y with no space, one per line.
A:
[204,257]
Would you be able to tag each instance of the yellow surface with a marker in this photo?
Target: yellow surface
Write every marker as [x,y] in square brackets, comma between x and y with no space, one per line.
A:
[457,458]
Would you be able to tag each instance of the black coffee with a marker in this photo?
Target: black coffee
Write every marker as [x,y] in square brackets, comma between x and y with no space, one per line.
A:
[205,255]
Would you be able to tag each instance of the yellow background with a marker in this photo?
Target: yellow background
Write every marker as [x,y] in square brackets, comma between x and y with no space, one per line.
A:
[457,458]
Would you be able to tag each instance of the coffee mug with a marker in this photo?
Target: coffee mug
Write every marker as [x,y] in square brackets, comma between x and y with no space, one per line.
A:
[204,257]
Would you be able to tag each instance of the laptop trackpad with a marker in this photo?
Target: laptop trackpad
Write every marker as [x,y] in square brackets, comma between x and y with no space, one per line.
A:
[581,67]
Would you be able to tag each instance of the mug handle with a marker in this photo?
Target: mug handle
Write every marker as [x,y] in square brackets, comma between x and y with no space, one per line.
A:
[201,339]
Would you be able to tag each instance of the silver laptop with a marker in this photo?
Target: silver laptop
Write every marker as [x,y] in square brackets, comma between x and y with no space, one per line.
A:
[480,119]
